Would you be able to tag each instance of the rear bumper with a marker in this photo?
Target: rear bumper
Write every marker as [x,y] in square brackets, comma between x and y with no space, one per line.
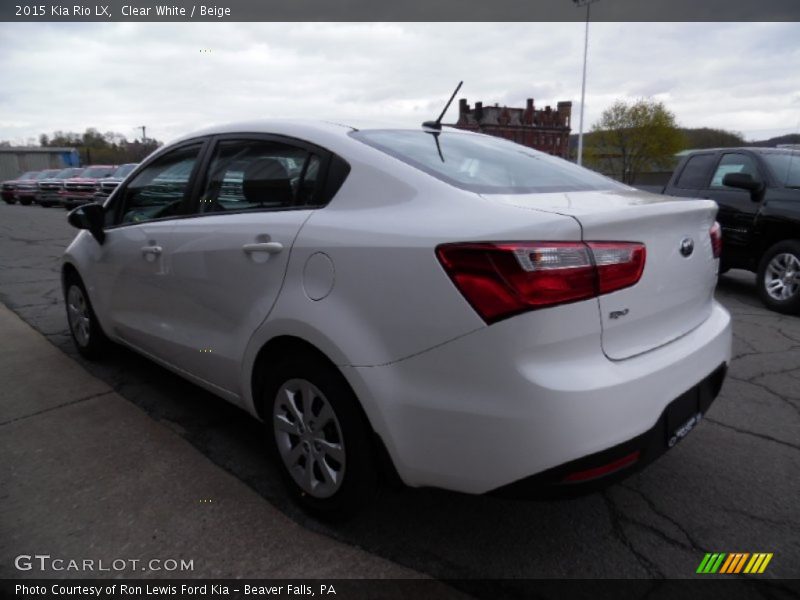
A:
[527,396]
[593,472]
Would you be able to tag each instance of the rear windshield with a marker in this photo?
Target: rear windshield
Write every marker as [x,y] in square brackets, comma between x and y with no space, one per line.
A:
[485,164]
[785,166]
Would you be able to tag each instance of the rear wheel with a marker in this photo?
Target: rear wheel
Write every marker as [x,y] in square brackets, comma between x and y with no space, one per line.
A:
[319,437]
[9,201]
[779,277]
[84,327]
[25,201]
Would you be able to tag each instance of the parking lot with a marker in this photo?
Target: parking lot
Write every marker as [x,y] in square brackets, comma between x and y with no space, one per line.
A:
[731,486]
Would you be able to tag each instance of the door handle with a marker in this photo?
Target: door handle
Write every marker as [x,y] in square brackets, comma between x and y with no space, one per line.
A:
[154,250]
[268,247]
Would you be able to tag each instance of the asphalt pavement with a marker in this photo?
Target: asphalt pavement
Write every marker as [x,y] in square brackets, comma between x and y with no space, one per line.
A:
[86,475]
[731,486]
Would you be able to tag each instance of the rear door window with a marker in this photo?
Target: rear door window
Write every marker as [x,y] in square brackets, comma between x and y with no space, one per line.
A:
[696,171]
[246,175]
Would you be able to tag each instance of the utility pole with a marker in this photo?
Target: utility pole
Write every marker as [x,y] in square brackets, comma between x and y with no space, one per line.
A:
[144,137]
[588,4]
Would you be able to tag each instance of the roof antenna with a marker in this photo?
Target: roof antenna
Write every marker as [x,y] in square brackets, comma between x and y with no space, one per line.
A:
[437,124]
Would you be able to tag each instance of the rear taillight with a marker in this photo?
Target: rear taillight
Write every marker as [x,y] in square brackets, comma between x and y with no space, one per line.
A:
[716,239]
[503,279]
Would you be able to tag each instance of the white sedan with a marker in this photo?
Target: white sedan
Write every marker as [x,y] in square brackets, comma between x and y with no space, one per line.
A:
[470,313]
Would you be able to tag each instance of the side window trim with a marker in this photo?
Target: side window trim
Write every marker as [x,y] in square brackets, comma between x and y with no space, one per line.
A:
[188,196]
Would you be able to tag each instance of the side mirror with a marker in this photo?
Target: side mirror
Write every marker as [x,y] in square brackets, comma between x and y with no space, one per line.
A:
[90,217]
[744,181]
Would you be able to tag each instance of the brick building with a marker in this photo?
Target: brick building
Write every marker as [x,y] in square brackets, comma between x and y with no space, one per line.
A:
[543,129]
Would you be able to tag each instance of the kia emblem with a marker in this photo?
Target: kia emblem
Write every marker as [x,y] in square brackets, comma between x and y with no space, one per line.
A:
[687,246]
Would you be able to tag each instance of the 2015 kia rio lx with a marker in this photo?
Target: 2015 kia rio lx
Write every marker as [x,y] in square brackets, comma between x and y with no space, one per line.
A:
[468,312]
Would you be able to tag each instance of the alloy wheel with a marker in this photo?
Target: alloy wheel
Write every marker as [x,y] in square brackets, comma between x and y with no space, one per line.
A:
[309,438]
[782,277]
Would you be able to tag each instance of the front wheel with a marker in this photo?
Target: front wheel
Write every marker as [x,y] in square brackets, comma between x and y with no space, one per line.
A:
[319,436]
[84,327]
[25,201]
[779,277]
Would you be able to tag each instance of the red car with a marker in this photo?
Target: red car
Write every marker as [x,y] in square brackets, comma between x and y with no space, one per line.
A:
[81,188]
[50,186]
[9,188]
[27,189]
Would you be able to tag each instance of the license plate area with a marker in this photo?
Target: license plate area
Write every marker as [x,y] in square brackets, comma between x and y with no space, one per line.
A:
[683,415]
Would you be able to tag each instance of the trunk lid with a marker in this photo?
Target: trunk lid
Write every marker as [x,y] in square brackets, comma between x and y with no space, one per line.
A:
[676,290]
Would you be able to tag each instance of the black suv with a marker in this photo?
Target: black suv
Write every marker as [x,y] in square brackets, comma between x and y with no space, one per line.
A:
[758,193]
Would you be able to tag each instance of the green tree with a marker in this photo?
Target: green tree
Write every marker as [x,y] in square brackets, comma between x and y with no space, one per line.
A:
[107,148]
[633,138]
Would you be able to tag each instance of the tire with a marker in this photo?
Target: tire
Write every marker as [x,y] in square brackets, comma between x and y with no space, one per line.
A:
[9,201]
[25,201]
[779,277]
[312,417]
[88,336]
[45,204]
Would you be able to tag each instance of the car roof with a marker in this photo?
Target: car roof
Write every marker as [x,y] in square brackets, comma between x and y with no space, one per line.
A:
[269,126]
[299,128]
[757,149]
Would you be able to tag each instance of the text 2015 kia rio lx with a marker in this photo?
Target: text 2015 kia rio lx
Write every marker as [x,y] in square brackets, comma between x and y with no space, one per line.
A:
[481,314]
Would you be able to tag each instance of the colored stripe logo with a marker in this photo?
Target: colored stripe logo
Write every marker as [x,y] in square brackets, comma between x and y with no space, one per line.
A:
[734,562]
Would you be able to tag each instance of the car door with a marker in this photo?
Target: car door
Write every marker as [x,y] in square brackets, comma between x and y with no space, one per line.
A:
[228,262]
[737,208]
[133,262]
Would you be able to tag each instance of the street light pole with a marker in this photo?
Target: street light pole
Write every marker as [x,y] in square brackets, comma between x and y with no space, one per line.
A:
[588,4]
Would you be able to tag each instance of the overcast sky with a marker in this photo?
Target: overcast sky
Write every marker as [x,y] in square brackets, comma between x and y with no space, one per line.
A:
[117,76]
